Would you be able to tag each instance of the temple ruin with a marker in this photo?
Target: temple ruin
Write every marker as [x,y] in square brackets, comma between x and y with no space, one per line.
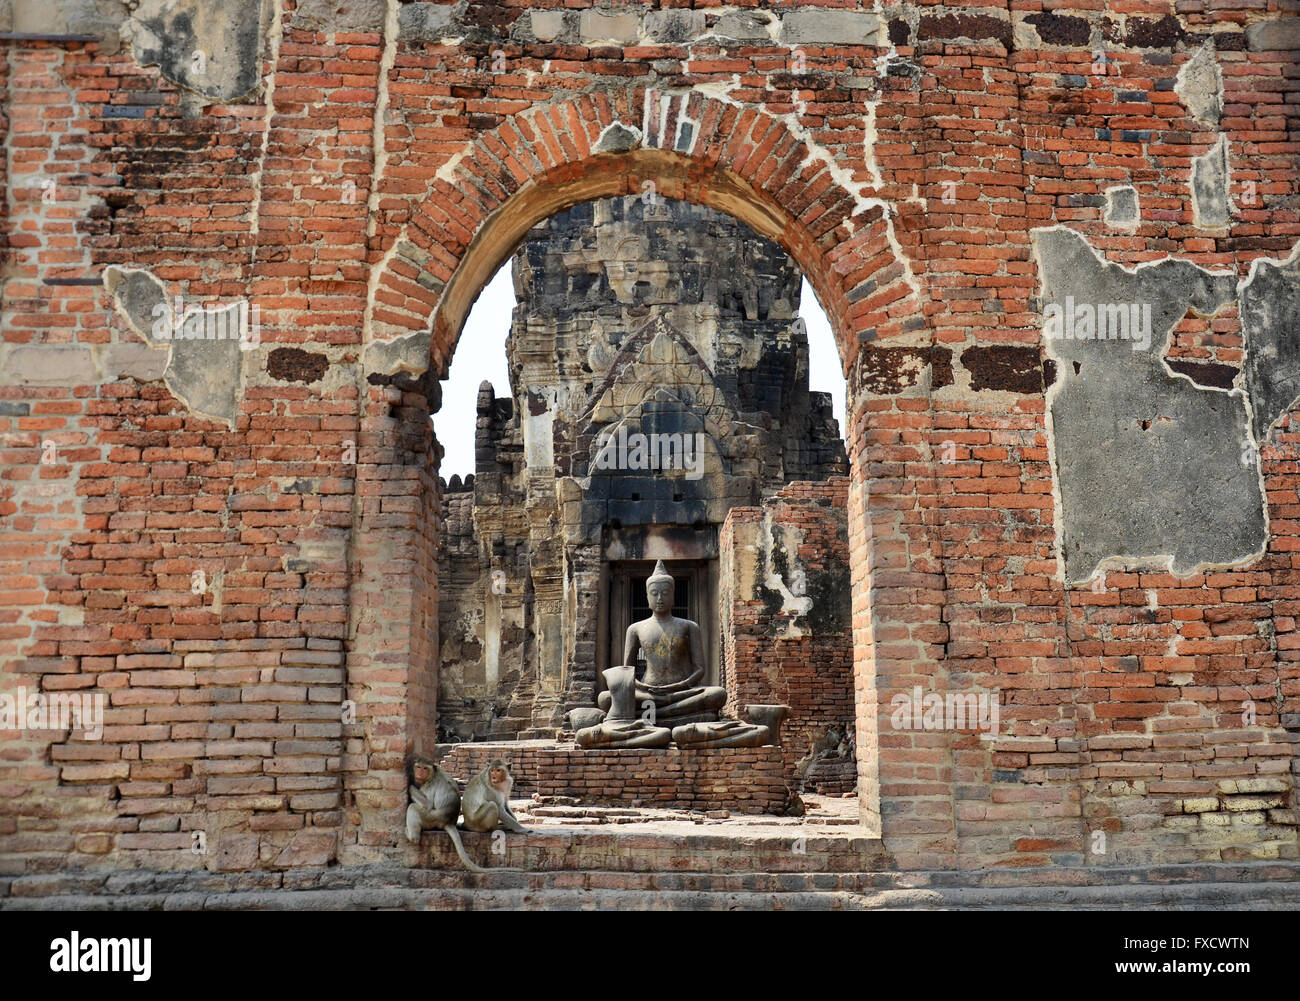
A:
[676,328]
[1030,624]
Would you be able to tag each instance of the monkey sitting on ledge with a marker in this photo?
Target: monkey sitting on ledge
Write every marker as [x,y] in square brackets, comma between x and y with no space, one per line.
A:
[486,803]
[436,802]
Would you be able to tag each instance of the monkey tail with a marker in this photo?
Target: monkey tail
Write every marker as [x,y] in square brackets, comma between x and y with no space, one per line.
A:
[460,849]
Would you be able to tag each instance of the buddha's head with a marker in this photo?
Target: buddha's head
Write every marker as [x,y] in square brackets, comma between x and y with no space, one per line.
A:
[660,589]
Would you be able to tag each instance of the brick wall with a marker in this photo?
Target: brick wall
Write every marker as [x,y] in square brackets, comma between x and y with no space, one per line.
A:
[902,162]
[784,600]
[739,779]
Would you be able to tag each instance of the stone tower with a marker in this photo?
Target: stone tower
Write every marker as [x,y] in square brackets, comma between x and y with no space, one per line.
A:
[656,325]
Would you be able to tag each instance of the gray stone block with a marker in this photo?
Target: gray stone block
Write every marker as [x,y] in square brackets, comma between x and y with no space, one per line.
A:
[339,16]
[134,361]
[743,26]
[1210,206]
[668,26]
[1282,35]
[547,25]
[621,29]
[829,27]
[50,365]
[1122,207]
[423,22]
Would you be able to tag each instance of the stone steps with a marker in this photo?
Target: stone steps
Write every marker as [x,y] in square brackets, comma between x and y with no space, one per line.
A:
[780,848]
[1247,886]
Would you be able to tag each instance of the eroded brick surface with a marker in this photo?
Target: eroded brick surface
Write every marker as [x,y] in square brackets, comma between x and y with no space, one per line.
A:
[362,191]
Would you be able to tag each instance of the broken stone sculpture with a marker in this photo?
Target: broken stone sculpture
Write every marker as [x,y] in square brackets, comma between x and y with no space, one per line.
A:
[622,727]
[722,733]
[770,716]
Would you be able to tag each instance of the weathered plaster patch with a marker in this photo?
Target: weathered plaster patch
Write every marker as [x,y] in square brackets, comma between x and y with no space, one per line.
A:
[408,354]
[213,49]
[425,23]
[1282,35]
[617,138]
[1122,211]
[206,375]
[1210,206]
[1148,466]
[74,17]
[782,577]
[1270,326]
[1200,86]
[331,16]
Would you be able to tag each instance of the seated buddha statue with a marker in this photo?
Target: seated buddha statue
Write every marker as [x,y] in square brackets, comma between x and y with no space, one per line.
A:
[674,655]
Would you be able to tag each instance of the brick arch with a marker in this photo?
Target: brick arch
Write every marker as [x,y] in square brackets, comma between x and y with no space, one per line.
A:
[737,160]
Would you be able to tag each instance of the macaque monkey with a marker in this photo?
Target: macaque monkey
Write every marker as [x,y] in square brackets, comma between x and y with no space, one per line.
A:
[486,802]
[435,803]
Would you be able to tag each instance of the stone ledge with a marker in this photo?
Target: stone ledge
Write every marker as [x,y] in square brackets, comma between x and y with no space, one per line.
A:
[1264,886]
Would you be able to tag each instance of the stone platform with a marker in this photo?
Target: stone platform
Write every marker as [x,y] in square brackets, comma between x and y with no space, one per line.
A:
[604,858]
[1263,886]
[738,779]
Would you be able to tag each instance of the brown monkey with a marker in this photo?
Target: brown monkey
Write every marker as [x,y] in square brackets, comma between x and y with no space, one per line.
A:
[435,803]
[486,802]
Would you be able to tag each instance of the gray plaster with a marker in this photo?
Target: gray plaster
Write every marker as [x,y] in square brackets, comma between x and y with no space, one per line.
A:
[743,26]
[1200,86]
[401,354]
[424,23]
[829,27]
[617,138]
[1149,466]
[1122,207]
[136,294]
[168,33]
[1210,207]
[1274,36]
[340,16]
[668,26]
[205,374]
[1270,326]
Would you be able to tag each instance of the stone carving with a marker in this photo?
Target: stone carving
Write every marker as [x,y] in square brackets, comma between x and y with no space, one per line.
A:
[764,728]
[723,733]
[769,716]
[622,727]
[674,654]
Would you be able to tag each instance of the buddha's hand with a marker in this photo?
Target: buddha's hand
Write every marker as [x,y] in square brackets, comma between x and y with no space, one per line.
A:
[671,688]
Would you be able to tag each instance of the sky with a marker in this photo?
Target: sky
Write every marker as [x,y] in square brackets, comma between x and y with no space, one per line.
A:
[481,354]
